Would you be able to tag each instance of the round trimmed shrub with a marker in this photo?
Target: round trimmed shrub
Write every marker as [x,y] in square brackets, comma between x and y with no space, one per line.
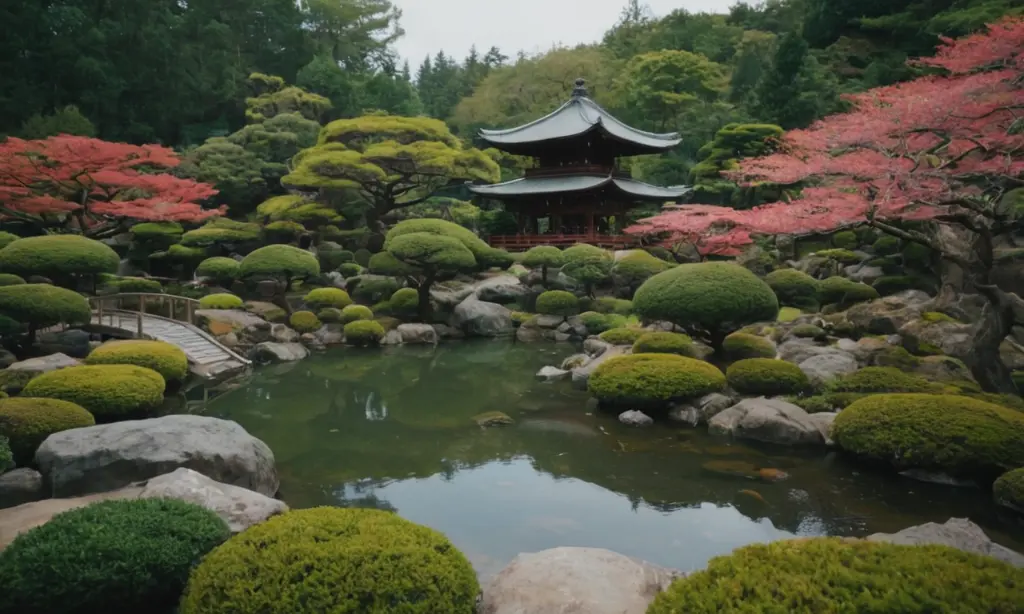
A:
[353,313]
[339,560]
[664,343]
[713,297]
[882,379]
[956,435]
[637,267]
[622,336]
[842,256]
[58,256]
[350,269]
[220,301]
[7,238]
[362,256]
[157,235]
[120,557]
[886,245]
[221,270]
[26,422]
[794,288]
[109,392]
[1008,490]
[304,322]
[653,380]
[364,333]
[404,302]
[283,231]
[839,575]
[165,358]
[557,303]
[327,297]
[738,346]
[844,291]
[543,257]
[279,261]
[608,304]
[7,279]
[138,285]
[766,377]
[42,305]
[846,239]
[373,290]
[330,315]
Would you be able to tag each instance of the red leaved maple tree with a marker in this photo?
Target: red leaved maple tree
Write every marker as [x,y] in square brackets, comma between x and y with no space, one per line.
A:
[945,148]
[95,184]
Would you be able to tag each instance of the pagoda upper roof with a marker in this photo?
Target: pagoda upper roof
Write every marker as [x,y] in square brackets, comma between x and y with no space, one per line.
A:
[561,184]
[578,117]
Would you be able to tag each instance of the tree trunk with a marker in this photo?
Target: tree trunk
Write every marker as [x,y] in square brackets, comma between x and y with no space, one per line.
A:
[424,302]
[996,324]
[544,275]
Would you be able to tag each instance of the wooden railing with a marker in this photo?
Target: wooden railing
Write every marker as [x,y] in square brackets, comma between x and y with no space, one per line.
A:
[178,308]
[562,240]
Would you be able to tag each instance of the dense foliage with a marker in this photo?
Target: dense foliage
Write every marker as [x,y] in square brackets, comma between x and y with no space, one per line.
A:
[653,380]
[109,392]
[42,305]
[766,377]
[26,422]
[58,257]
[664,343]
[165,358]
[557,303]
[363,332]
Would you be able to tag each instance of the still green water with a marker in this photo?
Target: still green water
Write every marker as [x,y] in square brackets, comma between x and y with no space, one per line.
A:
[394,429]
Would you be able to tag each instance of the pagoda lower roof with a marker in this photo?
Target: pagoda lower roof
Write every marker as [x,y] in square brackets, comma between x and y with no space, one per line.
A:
[561,184]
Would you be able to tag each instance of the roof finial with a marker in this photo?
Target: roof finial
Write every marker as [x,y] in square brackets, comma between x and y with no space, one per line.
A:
[580,91]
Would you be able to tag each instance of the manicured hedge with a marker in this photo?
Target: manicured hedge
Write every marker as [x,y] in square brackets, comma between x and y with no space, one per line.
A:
[279,261]
[116,557]
[665,343]
[557,303]
[166,359]
[653,380]
[766,377]
[109,392]
[364,332]
[356,312]
[221,270]
[220,301]
[607,304]
[328,297]
[350,269]
[283,231]
[43,305]
[330,315]
[58,256]
[882,379]
[305,322]
[1008,490]
[26,422]
[794,288]
[597,323]
[833,575]
[956,435]
[622,336]
[140,285]
[743,345]
[334,560]
[637,267]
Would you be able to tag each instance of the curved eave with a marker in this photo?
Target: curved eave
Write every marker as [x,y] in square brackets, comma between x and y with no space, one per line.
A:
[536,186]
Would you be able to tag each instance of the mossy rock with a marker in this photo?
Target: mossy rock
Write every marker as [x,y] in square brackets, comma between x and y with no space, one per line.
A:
[26,422]
[653,380]
[364,333]
[339,560]
[794,288]
[886,245]
[841,256]
[896,357]
[955,435]
[845,292]
[622,336]
[404,302]
[557,303]
[937,316]
[521,317]
[304,322]
[788,314]
[845,239]
[1008,490]
[882,379]
[166,359]
[221,300]
[894,284]
[597,323]
[13,380]
[353,313]
[738,346]
[828,402]
[108,392]
[766,377]
[327,297]
[808,331]
[818,575]
[665,343]
[58,256]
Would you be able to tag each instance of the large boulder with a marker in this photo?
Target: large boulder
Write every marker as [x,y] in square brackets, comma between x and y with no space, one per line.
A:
[20,486]
[863,273]
[885,316]
[451,293]
[575,580]
[223,321]
[74,343]
[936,331]
[581,375]
[239,507]
[500,289]
[482,319]
[824,368]
[45,364]
[702,410]
[957,533]
[768,420]
[109,456]
[418,334]
[270,351]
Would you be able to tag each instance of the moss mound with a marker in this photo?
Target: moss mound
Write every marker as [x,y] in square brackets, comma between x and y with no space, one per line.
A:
[812,576]
[738,346]
[58,256]
[109,392]
[557,303]
[1008,490]
[166,359]
[121,557]
[305,322]
[882,379]
[665,343]
[845,239]
[7,279]
[328,297]
[220,301]
[404,302]
[26,422]
[139,285]
[279,261]
[607,304]
[598,323]
[364,332]
[894,284]
[622,336]
[344,561]
[767,377]
[43,305]
[653,380]
[843,291]
[353,313]
[794,288]
[956,435]
[222,270]
[6,238]
[330,315]
[886,245]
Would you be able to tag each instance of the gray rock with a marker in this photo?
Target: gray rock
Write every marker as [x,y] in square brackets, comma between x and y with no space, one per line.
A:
[73,342]
[7,359]
[824,368]
[702,410]
[526,334]
[957,533]
[482,319]
[560,337]
[552,374]
[282,334]
[546,321]
[21,486]
[448,332]
[575,361]
[887,315]
[944,369]
[863,273]
[581,375]
[230,340]
[269,351]
[392,337]
[500,289]
[45,364]
[418,334]
[564,328]
[236,317]
[798,350]
[937,477]
[239,507]
[595,346]
[331,334]
[953,338]
[451,293]
[768,420]
[635,418]
[685,414]
[575,580]
[823,420]
[110,456]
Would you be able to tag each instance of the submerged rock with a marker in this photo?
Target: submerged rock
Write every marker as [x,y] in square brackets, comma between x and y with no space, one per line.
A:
[768,420]
[493,418]
[423,334]
[552,374]
[635,418]
[958,533]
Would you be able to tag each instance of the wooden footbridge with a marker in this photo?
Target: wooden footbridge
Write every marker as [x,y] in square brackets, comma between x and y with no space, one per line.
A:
[165,317]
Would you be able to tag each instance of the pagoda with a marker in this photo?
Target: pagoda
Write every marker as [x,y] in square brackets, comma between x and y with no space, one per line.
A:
[577,193]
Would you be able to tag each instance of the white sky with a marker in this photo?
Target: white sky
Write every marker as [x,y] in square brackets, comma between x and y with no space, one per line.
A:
[511,25]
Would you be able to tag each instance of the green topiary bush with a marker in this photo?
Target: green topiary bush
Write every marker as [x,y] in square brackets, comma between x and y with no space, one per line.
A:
[635,268]
[353,313]
[222,271]
[665,343]
[328,297]
[26,422]
[157,235]
[166,359]
[607,304]
[222,231]
[42,305]
[109,392]
[839,256]
[7,238]
[375,289]
[709,299]
[119,557]
[598,323]
[955,435]
[886,245]
[794,288]
[845,292]
[343,561]
[350,269]
[738,346]
[544,257]
[58,257]
[557,303]
[283,262]
[330,315]
[622,336]
[846,239]
[220,301]
[766,377]
[7,279]
[404,302]
[140,285]
[882,379]
[364,333]
[814,576]
[283,231]
[1008,490]
[588,265]
[652,381]
[304,322]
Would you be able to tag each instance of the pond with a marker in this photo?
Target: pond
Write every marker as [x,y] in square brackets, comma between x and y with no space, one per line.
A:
[395,429]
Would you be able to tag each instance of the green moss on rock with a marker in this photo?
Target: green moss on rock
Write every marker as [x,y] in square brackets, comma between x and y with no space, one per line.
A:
[844,292]
[882,379]
[304,322]
[26,422]
[1008,490]
[364,332]
[766,377]
[653,380]
[109,392]
[8,279]
[166,359]
[742,345]
[665,343]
